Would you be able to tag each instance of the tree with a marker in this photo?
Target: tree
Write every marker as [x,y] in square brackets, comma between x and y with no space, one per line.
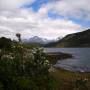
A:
[18,35]
[5,43]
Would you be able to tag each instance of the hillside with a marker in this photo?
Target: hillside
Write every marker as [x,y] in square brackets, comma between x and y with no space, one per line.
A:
[80,39]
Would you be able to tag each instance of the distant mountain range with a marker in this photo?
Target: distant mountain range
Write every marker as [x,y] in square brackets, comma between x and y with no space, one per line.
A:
[80,39]
[37,40]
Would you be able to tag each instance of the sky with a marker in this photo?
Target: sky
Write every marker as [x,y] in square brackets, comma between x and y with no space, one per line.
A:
[45,18]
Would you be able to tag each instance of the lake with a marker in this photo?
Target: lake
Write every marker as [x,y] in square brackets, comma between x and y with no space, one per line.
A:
[80,62]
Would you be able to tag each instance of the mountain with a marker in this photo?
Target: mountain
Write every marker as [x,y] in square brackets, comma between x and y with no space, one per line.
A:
[80,39]
[37,39]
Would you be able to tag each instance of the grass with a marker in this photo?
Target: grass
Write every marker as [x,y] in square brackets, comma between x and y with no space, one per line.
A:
[67,80]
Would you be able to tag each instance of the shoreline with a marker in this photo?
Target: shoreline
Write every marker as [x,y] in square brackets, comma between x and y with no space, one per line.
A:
[67,79]
[53,57]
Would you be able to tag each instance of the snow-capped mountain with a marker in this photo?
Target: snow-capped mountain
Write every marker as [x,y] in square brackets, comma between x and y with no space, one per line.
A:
[37,39]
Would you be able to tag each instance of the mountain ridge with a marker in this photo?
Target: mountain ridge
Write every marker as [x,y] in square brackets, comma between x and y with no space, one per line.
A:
[37,39]
[79,39]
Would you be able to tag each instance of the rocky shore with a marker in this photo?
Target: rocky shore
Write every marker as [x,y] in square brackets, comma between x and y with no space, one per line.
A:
[54,56]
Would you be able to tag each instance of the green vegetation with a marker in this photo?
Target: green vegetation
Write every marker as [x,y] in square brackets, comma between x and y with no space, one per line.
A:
[5,43]
[24,69]
[71,80]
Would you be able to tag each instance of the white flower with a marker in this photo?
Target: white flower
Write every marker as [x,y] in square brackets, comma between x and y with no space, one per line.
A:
[7,56]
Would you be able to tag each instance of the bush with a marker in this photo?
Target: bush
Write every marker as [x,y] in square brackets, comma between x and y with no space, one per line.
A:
[5,43]
[23,69]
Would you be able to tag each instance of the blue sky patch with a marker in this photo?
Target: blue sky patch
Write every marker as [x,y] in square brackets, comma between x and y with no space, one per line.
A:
[36,5]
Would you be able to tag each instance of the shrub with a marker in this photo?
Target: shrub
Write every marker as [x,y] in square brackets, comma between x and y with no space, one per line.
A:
[23,69]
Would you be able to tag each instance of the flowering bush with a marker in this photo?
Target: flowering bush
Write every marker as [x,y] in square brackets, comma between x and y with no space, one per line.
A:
[23,69]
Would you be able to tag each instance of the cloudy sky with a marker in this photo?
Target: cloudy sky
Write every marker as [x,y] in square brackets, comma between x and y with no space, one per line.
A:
[45,18]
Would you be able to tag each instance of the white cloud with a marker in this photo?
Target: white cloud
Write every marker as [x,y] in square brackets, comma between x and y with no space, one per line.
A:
[12,4]
[29,23]
[71,8]
[14,19]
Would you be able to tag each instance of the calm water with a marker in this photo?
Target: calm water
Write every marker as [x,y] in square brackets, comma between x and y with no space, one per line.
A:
[80,62]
